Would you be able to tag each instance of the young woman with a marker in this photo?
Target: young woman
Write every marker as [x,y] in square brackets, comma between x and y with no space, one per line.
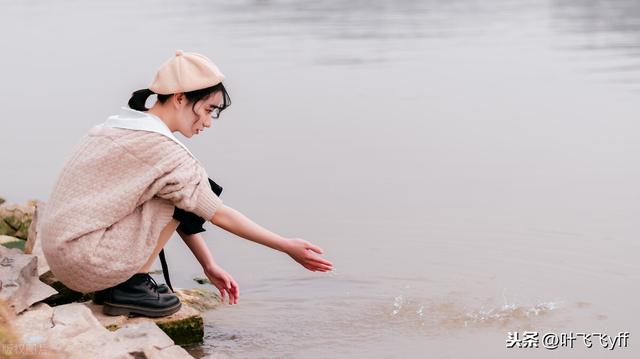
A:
[130,184]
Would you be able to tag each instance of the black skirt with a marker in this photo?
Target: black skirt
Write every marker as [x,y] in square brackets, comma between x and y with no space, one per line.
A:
[191,223]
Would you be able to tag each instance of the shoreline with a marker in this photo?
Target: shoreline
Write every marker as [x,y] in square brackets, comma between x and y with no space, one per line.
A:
[42,318]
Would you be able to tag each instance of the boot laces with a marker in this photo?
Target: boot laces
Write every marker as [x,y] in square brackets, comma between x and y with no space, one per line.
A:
[152,283]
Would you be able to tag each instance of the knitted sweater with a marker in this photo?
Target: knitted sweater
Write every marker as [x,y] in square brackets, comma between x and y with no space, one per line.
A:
[112,199]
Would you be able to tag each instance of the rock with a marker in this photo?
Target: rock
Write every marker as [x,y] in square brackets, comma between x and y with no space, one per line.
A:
[71,331]
[12,242]
[218,355]
[146,338]
[20,286]
[8,336]
[201,280]
[184,327]
[174,351]
[33,245]
[2,200]
[199,298]
[67,332]
[16,219]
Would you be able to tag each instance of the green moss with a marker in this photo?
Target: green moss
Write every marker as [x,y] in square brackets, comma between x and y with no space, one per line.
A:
[5,229]
[12,221]
[15,227]
[23,231]
[15,244]
[201,280]
[183,332]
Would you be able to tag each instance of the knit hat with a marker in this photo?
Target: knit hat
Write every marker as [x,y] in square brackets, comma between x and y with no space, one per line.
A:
[185,72]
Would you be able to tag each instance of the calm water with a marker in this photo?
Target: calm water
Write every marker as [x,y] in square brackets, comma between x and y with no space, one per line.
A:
[468,166]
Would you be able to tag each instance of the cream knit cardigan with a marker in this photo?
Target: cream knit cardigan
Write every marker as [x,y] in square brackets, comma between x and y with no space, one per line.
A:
[112,199]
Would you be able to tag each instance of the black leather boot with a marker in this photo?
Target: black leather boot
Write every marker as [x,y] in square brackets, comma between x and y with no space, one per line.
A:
[139,295]
[99,296]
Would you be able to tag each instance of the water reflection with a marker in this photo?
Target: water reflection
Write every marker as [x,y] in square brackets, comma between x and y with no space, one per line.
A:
[599,17]
[497,165]
[361,32]
[608,31]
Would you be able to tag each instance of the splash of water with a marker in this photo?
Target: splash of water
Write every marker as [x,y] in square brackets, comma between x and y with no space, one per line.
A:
[506,313]
[450,314]
[397,304]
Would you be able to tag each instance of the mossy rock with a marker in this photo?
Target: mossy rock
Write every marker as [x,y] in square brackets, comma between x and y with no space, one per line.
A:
[15,221]
[6,229]
[186,331]
[15,244]
[12,242]
[15,227]
[201,299]
[184,327]
[201,280]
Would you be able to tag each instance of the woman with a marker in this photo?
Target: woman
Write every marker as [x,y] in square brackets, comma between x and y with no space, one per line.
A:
[130,184]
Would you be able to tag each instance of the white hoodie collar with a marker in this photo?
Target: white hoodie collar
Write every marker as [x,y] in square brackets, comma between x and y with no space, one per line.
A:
[142,121]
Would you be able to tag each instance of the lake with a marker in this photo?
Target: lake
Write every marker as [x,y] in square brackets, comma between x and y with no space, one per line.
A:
[466,165]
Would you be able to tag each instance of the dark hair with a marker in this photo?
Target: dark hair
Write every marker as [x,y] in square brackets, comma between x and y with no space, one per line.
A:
[139,98]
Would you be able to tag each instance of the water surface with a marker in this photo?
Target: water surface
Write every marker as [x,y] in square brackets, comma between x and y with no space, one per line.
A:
[467,166]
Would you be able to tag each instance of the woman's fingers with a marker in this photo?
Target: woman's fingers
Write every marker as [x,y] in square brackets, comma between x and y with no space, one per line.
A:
[309,259]
[236,291]
[309,267]
[314,260]
[317,267]
[324,267]
[227,288]
[233,290]
[319,260]
[221,294]
[315,248]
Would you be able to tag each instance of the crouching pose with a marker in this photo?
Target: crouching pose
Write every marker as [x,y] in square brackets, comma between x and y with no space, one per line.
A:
[130,184]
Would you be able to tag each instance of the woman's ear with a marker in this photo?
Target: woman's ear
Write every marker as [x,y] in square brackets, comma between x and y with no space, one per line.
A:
[178,99]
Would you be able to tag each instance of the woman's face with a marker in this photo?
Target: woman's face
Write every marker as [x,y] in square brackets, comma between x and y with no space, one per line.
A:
[193,119]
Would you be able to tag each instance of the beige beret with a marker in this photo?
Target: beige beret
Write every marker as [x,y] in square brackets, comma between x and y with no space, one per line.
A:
[186,71]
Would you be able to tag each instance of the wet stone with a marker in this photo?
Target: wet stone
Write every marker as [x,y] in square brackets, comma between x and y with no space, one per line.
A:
[184,327]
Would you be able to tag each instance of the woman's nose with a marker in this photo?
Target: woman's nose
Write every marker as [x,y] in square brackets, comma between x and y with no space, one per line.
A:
[207,123]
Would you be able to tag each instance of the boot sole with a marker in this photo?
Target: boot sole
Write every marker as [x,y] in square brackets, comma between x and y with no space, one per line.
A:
[124,309]
[100,300]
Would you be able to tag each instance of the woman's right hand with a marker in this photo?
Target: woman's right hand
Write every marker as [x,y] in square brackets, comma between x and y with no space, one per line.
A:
[224,282]
[303,252]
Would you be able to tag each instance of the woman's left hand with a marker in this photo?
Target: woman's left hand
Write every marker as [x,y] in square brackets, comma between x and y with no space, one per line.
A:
[224,282]
[304,253]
